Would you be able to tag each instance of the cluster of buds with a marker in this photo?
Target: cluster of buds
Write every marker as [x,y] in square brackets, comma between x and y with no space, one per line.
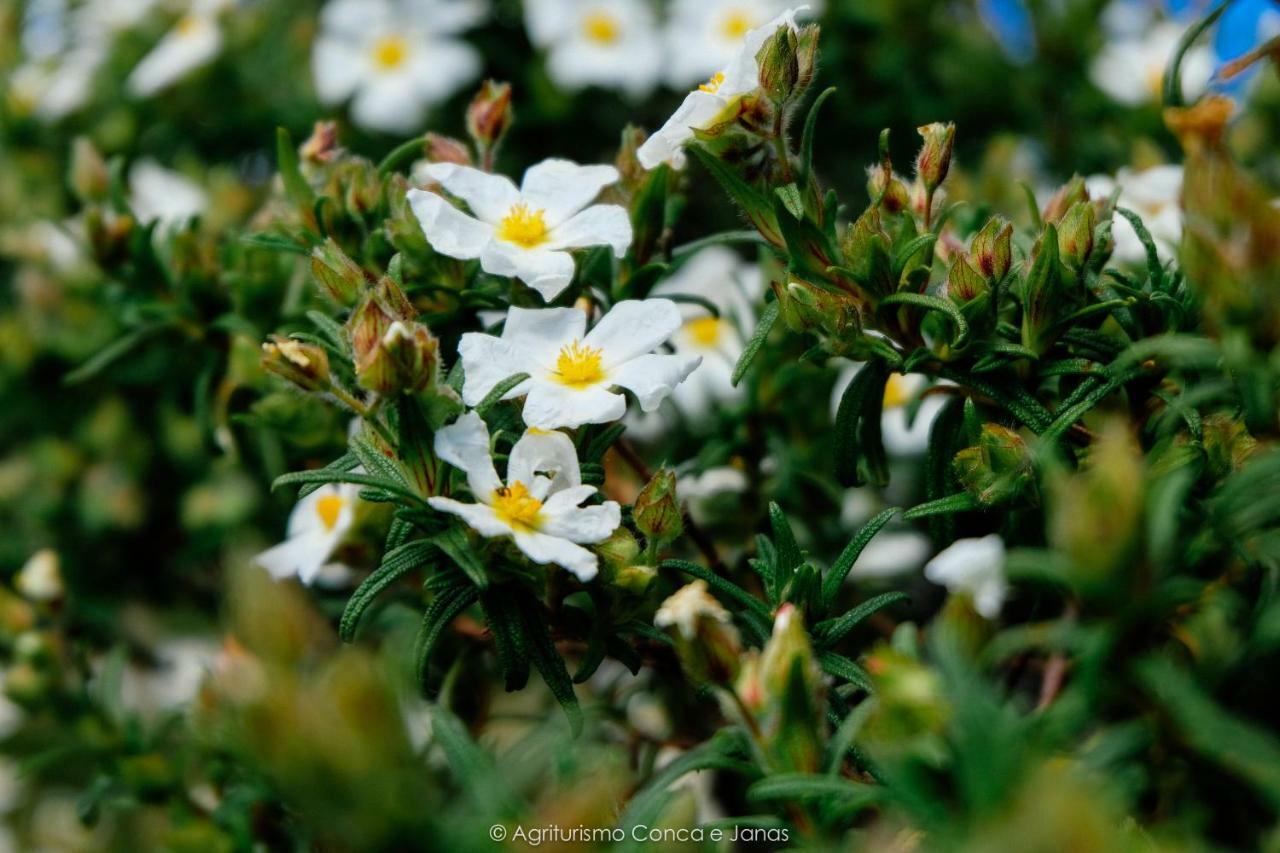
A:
[998,468]
[786,62]
[809,307]
[393,352]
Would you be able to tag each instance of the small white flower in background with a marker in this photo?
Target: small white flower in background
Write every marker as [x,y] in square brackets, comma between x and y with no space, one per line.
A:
[571,370]
[609,43]
[395,59]
[194,41]
[704,36]
[714,102]
[902,434]
[53,88]
[523,231]
[684,607]
[157,194]
[316,526]
[699,491]
[181,664]
[538,506]
[890,553]
[974,567]
[1155,195]
[40,578]
[1130,68]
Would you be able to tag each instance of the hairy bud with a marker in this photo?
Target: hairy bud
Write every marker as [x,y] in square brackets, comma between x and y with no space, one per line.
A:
[405,358]
[305,365]
[1067,195]
[89,179]
[998,468]
[779,65]
[657,510]
[322,145]
[934,160]
[489,115]
[446,149]
[993,248]
[964,283]
[1075,235]
[339,276]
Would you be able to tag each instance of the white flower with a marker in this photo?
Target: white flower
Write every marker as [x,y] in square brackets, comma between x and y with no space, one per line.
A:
[974,567]
[704,36]
[1155,195]
[714,102]
[891,552]
[719,276]
[194,41]
[55,87]
[700,491]
[538,507]
[571,370]
[1131,68]
[316,526]
[40,578]
[903,435]
[608,43]
[181,664]
[394,58]
[690,603]
[526,231]
[157,194]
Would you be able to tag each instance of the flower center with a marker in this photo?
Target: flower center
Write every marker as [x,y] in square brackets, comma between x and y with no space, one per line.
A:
[516,506]
[713,85]
[735,25]
[601,27]
[523,226]
[187,25]
[328,508]
[895,392]
[705,331]
[579,365]
[390,52]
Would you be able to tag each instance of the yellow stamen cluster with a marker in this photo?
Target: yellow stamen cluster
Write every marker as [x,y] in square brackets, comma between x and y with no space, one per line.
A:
[390,52]
[515,506]
[328,508]
[705,331]
[601,27]
[523,226]
[895,392]
[735,25]
[713,85]
[579,365]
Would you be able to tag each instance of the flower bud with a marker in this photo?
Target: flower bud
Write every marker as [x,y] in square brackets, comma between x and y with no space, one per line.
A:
[382,305]
[620,550]
[405,358]
[635,578]
[993,248]
[305,365]
[361,187]
[489,115]
[1067,195]
[793,696]
[1075,235]
[339,276]
[657,510]
[446,149]
[322,145]
[779,65]
[706,640]
[892,191]
[806,56]
[40,579]
[934,160]
[89,178]
[998,468]
[964,283]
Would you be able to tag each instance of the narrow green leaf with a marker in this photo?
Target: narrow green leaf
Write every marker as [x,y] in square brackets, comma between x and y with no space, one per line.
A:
[959,502]
[326,475]
[728,588]
[859,450]
[499,391]
[110,353]
[396,564]
[444,608]
[764,325]
[406,152]
[832,631]
[934,303]
[842,667]
[547,660]
[844,563]
[455,543]
[807,135]
[296,188]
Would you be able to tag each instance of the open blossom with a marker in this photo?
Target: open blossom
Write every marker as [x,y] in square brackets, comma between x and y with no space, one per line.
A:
[704,36]
[1155,195]
[714,102]
[316,526]
[572,371]
[539,506]
[609,43]
[903,433]
[393,58]
[157,194]
[523,231]
[974,567]
[194,41]
[1131,68]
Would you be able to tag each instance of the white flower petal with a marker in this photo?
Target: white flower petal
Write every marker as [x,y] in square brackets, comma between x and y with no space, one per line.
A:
[975,567]
[479,517]
[652,377]
[440,68]
[562,187]
[490,197]
[486,361]
[549,453]
[547,272]
[633,327]
[542,332]
[449,231]
[545,549]
[335,67]
[389,103]
[194,42]
[464,444]
[584,525]
[302,555]
[551,405]
[600,224]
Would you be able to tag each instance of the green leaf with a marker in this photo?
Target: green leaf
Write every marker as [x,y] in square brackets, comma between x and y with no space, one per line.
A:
[396,564]
[296,188]
[832,631]
[455,543]
[406,152]
[789,556]
[547,660]
[934,303]
[806,787]
[789,195]
[472,767]
[844,563]
[504,620]
[345,462]
[111,353]
[499,391]
[601,443]
[757,208]
[960,502]
[444,608]
[842,667]
[328,475]
[726,587]
[727,750]
[686,250]
[377,463]
[807,136]
[768,317]
[859,450]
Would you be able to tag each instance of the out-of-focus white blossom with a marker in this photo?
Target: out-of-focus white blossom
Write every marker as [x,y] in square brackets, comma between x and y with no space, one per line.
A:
[1155,195]
[609,43]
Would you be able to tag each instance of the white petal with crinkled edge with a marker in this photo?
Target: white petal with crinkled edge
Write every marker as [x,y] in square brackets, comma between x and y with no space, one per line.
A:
[545,271]
[974,566]
[486,361]
[549,453]
[551,405]
[699,109]
[449,231]
[541,332]
[633,327]
[335,67]
[479,517]
[490,197]
[584,525]
[561,188]
[653,377]
[178,53]
[545,549]
[464,444]
[600,224]
[302,555]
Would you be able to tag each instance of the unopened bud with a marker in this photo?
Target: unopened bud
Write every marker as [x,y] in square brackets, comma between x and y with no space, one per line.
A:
[446,149]
[964,283]
[1068,194]
[891,191]
[657,510]
[489,115]
[406,358]
[934,160]
[361,187]
[998,468]
[322,145]
[305,365]
[341,277]
[1075,235]
[382,305]
[619,550]
[89,177]
[706,640]
[993,248]
[806,56]
[40,579]
[778,64]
